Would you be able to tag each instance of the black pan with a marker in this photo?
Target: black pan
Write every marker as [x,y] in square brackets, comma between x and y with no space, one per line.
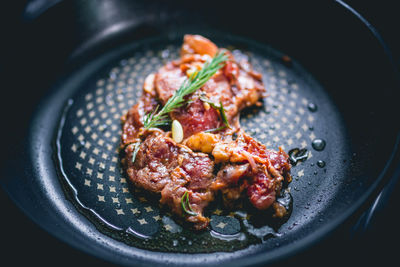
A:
[328,75]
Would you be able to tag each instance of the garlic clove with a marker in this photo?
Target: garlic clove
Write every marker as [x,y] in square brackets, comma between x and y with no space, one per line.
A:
[177,131]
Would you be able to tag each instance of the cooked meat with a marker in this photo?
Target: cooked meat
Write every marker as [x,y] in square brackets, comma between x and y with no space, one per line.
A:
[195,118]
[167,80]
[263,170]
[227,160]
[196,44]
[132,121]
[204,142]
[236,86]
[162,166]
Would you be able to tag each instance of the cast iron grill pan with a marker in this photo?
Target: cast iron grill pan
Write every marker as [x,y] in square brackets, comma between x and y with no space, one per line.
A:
[296,112]
[78,192]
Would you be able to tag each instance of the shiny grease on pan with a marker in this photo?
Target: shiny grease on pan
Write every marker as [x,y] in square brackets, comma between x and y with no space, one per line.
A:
[88,139]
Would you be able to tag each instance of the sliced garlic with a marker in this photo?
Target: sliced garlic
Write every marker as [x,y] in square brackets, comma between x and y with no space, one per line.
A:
[148,85]
[177,131]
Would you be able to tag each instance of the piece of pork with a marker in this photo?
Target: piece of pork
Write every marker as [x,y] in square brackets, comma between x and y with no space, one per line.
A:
[165,167]
[233,86]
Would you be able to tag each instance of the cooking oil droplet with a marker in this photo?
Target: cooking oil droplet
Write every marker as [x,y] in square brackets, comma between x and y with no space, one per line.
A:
[81,144]
[296,155]
[321,163]
[285,200]
[292,226]
[101,168]
[312,107]
[103,127]
[318,144]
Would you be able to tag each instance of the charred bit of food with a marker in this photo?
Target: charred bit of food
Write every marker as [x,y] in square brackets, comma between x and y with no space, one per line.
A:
[207,152]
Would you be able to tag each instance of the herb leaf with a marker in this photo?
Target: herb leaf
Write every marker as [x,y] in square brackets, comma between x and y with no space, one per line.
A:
[135,150]
[186,205]
[223,115]
[221,110]
[189,86]
[215,129]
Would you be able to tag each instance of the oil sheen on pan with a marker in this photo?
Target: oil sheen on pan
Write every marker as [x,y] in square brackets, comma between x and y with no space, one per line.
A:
[221,179]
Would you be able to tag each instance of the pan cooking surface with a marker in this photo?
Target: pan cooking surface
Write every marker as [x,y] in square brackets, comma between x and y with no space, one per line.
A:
[296,113]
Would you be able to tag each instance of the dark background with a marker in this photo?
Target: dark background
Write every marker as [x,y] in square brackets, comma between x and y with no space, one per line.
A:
[23,242]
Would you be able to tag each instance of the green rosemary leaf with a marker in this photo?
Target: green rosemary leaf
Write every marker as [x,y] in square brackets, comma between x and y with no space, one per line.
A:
[215,129]
[185,203]
[208,101]
[223,115]
[135,150]
[221,111]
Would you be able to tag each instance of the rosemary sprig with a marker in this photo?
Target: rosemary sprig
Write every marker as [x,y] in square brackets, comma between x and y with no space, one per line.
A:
[221,110]
[189,86]
[185,203]
[213,130]
[135,150]
[223,115]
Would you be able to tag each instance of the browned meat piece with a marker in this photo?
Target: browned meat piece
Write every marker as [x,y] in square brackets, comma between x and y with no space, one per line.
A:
[236,86]
[196,118]
[196,44]
[162,166]
[174,170]
[231,181]
[132,121]
[167,80]
[263,173]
